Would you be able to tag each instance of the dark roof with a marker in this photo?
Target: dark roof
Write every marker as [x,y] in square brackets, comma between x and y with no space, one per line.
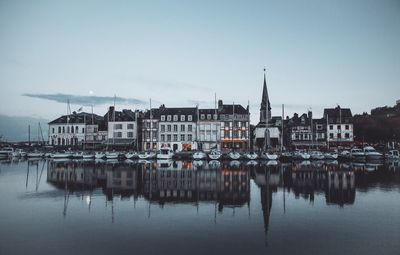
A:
[208,111]
[76,118]
[296,120]
[337,112]
[265,96]
[124,115]
[178,111]
[229,108]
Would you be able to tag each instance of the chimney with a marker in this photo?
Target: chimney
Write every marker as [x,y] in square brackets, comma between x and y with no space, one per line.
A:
[310,115]
[220,103]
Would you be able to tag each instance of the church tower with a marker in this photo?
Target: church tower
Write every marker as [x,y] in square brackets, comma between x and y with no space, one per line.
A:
[264,114]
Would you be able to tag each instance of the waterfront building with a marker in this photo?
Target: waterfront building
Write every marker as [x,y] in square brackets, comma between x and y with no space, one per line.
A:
[149,129]
[122,128]
[235,126]
[267,131]
[339,122]
[209,129]
[71,130]
[178,128]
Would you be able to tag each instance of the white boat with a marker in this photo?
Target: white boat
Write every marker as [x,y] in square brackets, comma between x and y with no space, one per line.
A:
[199,155]
[372,154]
[147,155]
[331,155]
[35,154]
[99,155]
[215,155]
[234,155]
[131,155]
[251,155]
[18,153]
[268,156]
[112,155]
[87,156]
[286,155]
[78,154]
[393,154]
[165,153]
[357,154]
[61,155]
[47,154]
[301,155]
[316,155]
[6,152]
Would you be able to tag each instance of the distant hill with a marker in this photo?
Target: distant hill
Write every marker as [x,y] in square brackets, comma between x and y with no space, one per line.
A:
[15,129]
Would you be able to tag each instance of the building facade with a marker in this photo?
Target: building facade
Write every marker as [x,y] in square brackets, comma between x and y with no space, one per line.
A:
[149,129]
[339,126]
[122,128]
[209,130]
[70,130]
[178,128]
[235,126]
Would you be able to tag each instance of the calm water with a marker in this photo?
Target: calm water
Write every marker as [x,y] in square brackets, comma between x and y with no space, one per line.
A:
[199,208]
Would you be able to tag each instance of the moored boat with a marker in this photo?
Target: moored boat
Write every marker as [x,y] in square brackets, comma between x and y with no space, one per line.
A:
[372,154]
[100,155]
[147,155]
[316,155]
[131,155]
[393,155]
[6,152]
[199,155]
[269,156]
[331,155]
[35,154]
[112,155]
[62,155]
[251,155]
[214,155]
[234,155]
[165,153]
[357,154]
[301,155]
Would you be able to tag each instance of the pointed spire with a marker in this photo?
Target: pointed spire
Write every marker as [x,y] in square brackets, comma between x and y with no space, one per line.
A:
[265,101]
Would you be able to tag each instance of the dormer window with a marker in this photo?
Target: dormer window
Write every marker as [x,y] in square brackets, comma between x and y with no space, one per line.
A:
[202,116]
[162,117]
[182,117]
[175,117]
[215,116]
[209,116]
[189,117]
[169,118]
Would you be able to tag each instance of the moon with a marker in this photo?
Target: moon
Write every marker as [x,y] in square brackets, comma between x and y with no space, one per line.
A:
[91,92]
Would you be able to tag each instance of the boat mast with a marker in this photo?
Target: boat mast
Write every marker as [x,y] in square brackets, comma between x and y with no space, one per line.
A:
[114,123]
[151,133]
[233,123]
[216,121]
[327,135]
[283,116]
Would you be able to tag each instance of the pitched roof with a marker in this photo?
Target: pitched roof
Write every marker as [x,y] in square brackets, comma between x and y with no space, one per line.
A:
[80,118]
[230,108]
[124,115]
[265,96]
[335,113]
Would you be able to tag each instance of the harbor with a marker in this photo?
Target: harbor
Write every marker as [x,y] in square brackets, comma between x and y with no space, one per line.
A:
[232,207]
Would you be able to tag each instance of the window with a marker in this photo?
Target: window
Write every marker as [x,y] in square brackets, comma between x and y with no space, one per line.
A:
[347,135]
[175,128]
[83,130]
[72,129]
[169,118]
[95,130]
[130,126]
[330,127]
[182,128]
[182,137]
[162,128]
[339,135]
[117,134]
[209,116]
[67,129]
[52,130]
[175,137]
[202,116]
[117,126]
[169,128]
[169,138]
[319,127]
[162,117]
[59,131]
[189,128]
[189,137]
[346,127]
[331,136]
[182,117]
[215,116]
[130,134]
[175,117]
[339,127]
[189,117]
[162,138]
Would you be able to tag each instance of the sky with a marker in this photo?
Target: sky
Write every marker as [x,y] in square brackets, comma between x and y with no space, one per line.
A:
[181,53]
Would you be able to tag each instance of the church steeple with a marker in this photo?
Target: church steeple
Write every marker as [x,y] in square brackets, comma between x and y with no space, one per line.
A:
[264,103]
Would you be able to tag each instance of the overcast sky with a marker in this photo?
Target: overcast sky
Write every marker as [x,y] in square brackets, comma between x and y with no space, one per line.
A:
[317,54]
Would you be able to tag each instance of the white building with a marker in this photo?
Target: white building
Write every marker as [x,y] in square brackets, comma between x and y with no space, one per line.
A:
[70,130]
[122,128]
[339,126]
[209,129]
[177,128]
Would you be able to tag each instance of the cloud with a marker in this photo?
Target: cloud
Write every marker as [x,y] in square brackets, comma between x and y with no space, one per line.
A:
[85,100]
